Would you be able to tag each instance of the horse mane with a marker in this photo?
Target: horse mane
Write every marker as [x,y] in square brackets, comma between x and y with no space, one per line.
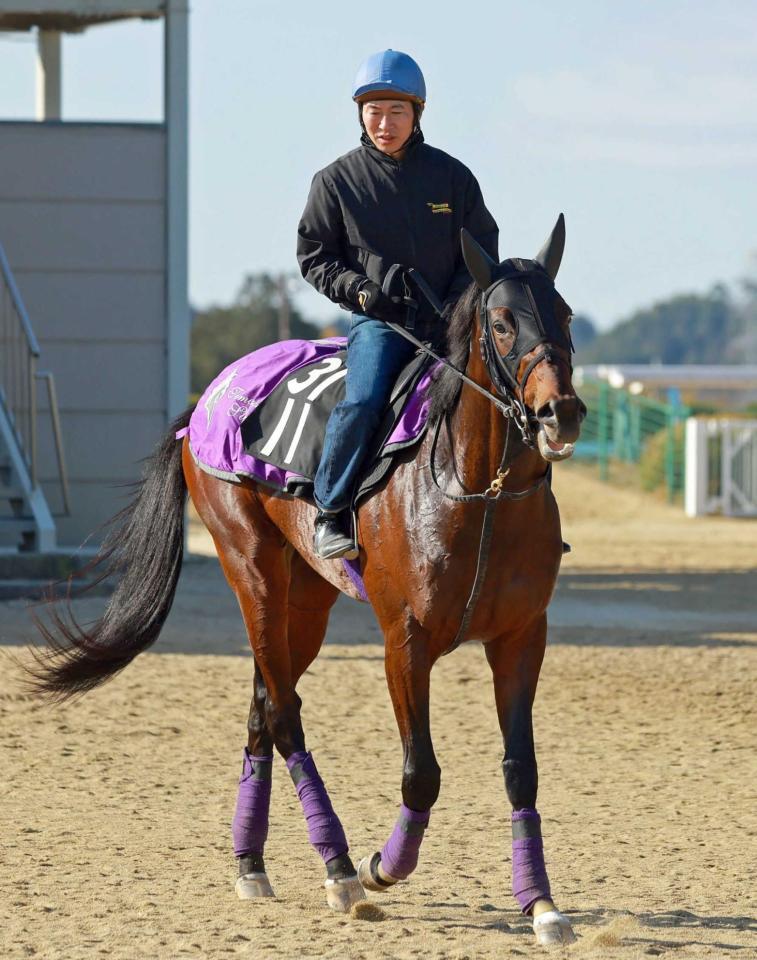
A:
[445,387]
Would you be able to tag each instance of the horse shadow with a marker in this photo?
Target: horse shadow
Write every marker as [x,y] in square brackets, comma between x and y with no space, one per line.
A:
[646,928]
[652,926]
[601,609]
[654,608]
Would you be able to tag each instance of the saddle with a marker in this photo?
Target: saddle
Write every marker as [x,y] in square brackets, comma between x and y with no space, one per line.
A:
[264,416]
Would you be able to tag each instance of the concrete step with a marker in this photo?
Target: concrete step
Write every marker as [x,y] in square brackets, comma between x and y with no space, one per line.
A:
[41,566]
[33,576]
[21,589]
[17,525]
[18,531]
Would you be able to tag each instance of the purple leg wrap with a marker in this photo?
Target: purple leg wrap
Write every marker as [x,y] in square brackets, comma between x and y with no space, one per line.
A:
[324,829]
[249,828]
[530,881]
[400,854]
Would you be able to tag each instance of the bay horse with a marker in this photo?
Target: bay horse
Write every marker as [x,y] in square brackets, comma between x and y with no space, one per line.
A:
[469,505]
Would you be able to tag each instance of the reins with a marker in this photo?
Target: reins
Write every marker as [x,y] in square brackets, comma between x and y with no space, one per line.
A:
[504,408]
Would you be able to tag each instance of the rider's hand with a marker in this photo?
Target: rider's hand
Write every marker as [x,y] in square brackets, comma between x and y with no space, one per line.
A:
[374,303]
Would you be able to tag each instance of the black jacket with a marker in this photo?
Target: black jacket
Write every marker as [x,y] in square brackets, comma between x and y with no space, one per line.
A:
[367,211]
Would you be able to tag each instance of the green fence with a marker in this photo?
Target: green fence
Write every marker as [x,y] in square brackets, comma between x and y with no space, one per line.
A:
[623,428]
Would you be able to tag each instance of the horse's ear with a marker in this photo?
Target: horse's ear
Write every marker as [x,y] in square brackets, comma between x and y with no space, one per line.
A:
[551,253]
[480,265]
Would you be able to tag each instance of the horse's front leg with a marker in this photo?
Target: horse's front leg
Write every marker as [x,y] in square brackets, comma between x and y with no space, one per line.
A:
[408,667]
[515,661]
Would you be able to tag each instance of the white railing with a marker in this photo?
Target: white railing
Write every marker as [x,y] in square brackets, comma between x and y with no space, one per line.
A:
[721,466]
[19,354]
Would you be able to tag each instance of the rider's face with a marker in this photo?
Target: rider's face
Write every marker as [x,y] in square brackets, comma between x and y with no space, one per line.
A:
[389,124]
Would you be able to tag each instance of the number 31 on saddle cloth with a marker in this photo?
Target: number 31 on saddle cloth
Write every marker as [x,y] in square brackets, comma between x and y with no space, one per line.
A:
[265,415]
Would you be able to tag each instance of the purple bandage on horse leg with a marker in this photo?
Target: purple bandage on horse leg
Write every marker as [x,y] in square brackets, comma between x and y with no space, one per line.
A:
[530,881]
[400,854]
[324,829]
[249,828]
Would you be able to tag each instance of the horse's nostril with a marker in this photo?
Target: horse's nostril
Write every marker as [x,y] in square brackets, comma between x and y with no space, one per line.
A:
[546,413]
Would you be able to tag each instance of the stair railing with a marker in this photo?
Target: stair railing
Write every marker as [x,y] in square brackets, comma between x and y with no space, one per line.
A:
[19,353]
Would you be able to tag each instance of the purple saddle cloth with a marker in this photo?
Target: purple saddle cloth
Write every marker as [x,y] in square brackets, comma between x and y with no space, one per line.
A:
[216,429]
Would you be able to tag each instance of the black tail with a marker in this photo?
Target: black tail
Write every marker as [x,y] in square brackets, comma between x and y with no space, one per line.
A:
[144,551]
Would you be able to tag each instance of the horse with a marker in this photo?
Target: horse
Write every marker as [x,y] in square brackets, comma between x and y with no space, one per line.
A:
[470,504]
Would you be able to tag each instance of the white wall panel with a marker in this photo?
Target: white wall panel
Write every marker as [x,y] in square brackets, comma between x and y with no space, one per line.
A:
[51,236]
[107,377]
[92,162]
[95,502]
[101,446]
[95,306]
[82,219]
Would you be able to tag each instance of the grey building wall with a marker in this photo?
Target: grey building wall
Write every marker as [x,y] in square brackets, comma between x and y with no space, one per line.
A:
[82,220]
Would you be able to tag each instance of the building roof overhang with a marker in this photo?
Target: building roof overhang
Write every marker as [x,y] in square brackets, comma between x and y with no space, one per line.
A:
[73,16]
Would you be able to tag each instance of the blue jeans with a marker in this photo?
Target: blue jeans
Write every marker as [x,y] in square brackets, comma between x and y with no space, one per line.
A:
[375,357]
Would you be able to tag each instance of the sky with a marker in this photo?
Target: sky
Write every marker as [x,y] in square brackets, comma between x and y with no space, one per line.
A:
[636,119]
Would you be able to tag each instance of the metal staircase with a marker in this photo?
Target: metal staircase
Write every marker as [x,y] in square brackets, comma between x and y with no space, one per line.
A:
[26,522]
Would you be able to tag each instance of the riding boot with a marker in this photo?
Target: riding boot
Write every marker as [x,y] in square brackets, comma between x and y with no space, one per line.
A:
[331,541]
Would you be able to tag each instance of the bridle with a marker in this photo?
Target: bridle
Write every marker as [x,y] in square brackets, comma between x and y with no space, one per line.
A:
[514,287]
[528,291]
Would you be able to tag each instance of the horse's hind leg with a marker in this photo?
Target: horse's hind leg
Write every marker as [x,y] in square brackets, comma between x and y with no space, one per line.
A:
[310,601]
[249,827]
[267,575]
[285,607]
[516,661]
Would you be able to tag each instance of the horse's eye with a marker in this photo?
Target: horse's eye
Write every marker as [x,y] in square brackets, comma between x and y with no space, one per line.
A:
[499,327]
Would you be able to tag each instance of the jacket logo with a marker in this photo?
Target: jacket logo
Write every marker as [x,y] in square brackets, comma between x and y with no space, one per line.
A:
[440,207]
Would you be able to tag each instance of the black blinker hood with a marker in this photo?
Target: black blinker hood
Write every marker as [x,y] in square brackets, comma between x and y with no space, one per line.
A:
[528,292]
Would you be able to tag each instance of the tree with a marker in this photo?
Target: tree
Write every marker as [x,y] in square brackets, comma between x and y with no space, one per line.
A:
[688,328]
[582,331]
[745,346]
[221,334]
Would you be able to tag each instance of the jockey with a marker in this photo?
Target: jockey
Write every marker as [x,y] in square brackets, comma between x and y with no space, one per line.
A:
[393,200]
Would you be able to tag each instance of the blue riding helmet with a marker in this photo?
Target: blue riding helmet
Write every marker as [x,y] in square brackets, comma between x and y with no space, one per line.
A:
[390,72]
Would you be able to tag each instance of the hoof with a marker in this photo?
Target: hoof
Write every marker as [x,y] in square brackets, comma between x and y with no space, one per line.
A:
[372,876]
[552,929]
[252,886]
[343,893]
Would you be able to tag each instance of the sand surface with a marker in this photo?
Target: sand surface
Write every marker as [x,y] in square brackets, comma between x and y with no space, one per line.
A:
[116,810]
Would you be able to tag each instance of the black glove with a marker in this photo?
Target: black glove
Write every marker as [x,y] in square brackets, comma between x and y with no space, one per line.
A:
[372,301]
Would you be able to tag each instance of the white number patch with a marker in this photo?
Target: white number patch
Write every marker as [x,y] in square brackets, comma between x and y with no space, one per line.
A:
[320,377]
[329,365]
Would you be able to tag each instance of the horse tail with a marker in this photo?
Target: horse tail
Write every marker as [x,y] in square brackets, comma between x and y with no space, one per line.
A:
[143,552]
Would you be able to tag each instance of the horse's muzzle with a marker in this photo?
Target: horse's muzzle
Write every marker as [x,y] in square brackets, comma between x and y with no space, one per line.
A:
[559,426]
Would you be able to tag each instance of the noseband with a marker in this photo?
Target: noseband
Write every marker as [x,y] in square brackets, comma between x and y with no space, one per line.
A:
[528,292]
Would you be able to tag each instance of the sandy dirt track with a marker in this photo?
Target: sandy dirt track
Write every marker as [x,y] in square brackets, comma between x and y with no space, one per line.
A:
[116,810]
